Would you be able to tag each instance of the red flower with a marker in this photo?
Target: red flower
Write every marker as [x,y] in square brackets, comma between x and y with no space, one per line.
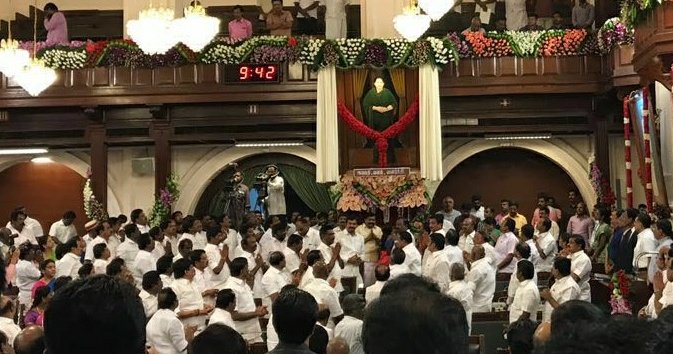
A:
[292,42]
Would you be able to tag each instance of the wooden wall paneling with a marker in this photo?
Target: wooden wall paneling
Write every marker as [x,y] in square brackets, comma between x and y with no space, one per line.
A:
[529,66]
[164,76]
[487,67]
[508,66]
[96,135]
[550,66]
[161,133]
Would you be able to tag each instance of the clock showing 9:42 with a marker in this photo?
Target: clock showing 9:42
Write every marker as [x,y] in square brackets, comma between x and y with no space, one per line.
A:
[252,73]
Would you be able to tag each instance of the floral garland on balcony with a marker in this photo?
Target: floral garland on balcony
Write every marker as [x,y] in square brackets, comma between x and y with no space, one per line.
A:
[601,185]
[634,12]
[343,53]
[378,192]
[620,286]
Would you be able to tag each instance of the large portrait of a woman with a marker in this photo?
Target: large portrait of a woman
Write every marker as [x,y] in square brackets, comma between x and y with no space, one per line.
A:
[380,109]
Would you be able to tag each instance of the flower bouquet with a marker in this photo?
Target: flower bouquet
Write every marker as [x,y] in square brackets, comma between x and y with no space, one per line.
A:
[161,210]
[620,289]
[93,209]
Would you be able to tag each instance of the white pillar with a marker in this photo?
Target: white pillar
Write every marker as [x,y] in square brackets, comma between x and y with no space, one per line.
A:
[376,17]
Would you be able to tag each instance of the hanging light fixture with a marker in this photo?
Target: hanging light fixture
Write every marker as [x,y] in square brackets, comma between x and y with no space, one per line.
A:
[36,76]
[12,59]
[196,29]
[411,24]
[436,9]
[153,30]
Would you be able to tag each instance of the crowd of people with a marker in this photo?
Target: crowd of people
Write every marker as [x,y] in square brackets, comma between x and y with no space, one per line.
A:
[328,283]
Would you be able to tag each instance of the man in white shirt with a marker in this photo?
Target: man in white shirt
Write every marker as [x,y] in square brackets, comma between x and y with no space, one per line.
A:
[103,233]
[553,229]
[646,246]
[397,264]
[350,327]
[69,264]
[169,229]
[128,250]
[274,279]
[482,280]
[101,255]
[193,310]
[477,209]
[191,226]
[17,225]
[564,289]
[7,325]
[448,212]
[504,247]
[461,290]
[64,229]
[335,19]
[34,226]
[663,232]
[412,257]
[246,314]
[218,259]
[249,252]
[466,241]
[165,333]
[225,305]
[310,236]
[352,250]
[437,268]
[275,243]
[521,251]
[373,291]
[144,261]
[580,266]
[323,292]
[27,273]
[139,218]
[292,253]
[151,285]
[479,239]
[453,253]
[545,244]
[331,253]
[527,298]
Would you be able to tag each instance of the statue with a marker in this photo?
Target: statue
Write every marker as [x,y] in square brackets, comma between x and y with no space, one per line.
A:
[380,110]
[276,189]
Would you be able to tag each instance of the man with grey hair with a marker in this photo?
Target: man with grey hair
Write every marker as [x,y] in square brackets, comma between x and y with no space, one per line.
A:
[350,327]
[461,290]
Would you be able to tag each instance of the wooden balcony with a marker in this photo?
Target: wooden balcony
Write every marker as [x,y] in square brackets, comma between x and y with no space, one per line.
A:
[654,44]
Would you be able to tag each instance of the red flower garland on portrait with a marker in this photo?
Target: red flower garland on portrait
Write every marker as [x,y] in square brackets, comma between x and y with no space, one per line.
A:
[381,138]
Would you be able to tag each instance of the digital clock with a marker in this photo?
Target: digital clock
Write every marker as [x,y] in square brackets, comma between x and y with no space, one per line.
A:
[252,73]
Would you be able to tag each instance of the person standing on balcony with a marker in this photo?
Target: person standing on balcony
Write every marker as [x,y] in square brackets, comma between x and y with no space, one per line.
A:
[583,15]
[239,27]
[335,19]
[307,16]
[55,24]
[279,21]
[515,12]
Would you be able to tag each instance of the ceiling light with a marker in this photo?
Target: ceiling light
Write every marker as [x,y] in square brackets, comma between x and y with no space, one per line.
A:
[20,151]
[518,137]
[41,160]
[12,58]
[153,30]
[267,144]
[436,9]
[411,24]
[35,77]
[196,29]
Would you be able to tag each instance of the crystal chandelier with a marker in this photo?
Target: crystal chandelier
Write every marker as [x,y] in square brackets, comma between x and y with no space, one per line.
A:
[153,30]
[12,59]
[436,9]
[196,29]
[411,24]
[35,77]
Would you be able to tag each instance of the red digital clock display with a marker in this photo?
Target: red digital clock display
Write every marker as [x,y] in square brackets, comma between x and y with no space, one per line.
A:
[252,73]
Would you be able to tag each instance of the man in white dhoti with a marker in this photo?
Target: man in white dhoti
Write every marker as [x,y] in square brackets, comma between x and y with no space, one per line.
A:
[276,188]
[335,18]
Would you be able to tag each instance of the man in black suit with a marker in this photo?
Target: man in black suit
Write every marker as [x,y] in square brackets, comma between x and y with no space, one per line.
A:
[628,242]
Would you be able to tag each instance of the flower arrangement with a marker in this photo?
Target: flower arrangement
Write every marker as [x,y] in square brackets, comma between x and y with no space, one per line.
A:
[620,285]
[633,12]
[93,209]
[64,57]
[161,210]
[604,193]
[378,192]
[614,32]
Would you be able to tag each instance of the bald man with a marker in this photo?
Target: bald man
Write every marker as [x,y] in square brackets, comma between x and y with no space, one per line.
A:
[338,346]
[30,341]
[461,290]
[323,293]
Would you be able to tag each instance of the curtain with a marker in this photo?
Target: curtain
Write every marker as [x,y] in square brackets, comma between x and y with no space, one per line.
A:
[665,109]
[359,77]
[430,137]
[315,195]
[398,77]
[327,127]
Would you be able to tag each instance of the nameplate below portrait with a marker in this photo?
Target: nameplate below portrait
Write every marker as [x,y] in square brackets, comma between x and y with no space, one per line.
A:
[393,171]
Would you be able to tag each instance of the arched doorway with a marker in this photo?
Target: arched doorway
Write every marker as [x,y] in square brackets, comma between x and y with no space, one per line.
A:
[46,190]
[505,173]
[302,193]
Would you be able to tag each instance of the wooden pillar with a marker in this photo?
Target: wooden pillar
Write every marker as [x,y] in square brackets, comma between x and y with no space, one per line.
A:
[99,162]
[602,144]
[161,133]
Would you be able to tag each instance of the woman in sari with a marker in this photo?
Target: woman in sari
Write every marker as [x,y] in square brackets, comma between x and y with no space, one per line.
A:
[35,316]
[380,110]
[48,269]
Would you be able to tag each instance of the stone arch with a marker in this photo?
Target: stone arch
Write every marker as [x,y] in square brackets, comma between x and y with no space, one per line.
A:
[557,151]
[74,163]
[195,181]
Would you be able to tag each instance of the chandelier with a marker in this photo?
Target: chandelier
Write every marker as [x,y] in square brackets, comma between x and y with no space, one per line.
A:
[196,29]
[436,9]
[153,30]
[12,59]
[35,77]
[411,24]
